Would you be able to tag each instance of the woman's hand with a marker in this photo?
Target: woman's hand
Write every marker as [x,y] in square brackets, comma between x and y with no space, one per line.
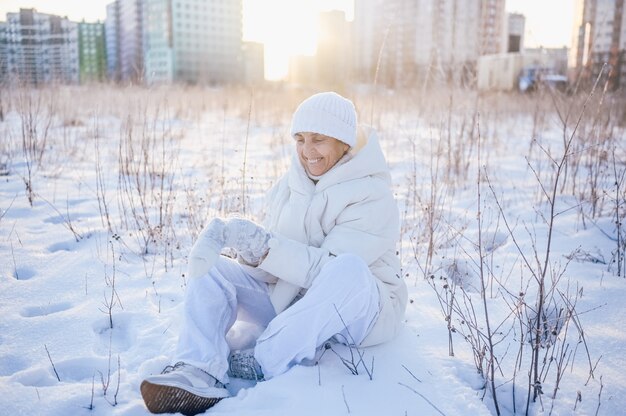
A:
[207,248]
[248,239]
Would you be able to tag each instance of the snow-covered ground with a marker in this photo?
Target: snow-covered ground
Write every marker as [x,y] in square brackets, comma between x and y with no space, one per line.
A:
[92,272]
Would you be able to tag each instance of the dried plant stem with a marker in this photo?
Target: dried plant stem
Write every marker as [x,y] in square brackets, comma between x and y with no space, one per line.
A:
[245,160]
[621,246]
[353,366]
[67,220]
[345,401]
[51,362]
[423,397]
[17,274]
[93,383]
[541,296]
[483,284]
[377,72]
[599,396]
[100,183]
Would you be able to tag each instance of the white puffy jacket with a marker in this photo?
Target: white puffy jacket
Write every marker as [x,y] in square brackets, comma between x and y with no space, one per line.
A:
[351,209]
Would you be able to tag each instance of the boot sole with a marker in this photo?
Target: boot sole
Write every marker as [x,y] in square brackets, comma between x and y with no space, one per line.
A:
[169,399]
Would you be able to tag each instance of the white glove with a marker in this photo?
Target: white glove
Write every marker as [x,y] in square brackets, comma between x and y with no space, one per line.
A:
[206,249]
[248,239]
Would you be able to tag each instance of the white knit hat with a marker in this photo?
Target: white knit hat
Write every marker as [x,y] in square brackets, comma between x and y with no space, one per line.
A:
[326,113]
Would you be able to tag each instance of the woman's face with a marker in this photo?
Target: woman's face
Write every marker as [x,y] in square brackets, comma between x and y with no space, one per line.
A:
[318,153]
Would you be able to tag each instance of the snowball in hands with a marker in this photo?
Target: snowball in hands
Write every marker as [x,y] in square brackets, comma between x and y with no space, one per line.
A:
[247,238]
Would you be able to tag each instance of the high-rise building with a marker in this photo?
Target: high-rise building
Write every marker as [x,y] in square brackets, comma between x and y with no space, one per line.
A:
[601,39]
[491,26]
[91,52]
[111,32]
[39,48]
[207,41]
[4,55]
[404,42]
[253,62]
[516,25]
[193,41]
[158,42]
[333,49]
[124,40]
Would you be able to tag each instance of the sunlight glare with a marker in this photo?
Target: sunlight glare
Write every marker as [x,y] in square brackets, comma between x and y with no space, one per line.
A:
[286,28]
[542,29]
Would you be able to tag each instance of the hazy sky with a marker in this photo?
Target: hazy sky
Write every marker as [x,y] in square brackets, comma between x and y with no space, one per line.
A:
[549,23]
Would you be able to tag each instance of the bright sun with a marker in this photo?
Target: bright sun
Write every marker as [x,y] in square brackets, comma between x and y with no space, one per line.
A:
[286,28]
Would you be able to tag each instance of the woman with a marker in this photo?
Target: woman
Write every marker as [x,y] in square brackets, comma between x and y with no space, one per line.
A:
[324,265]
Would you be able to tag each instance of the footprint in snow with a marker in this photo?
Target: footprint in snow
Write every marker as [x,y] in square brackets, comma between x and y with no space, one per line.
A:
[23,273]
[11,364]
[117,339]
[62,246]
[43,310]
[72,370]
[492,240]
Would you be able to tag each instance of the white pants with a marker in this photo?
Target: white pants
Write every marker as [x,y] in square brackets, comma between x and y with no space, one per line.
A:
[344,290]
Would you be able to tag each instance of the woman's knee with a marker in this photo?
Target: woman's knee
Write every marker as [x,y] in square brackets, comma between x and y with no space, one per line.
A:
[348,268]
[211,283]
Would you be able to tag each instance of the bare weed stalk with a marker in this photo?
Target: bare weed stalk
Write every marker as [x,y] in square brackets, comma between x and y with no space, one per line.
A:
[483,284]
[113,299]
[245,160]
[101,194]
[35,127]
[146,183]
[420,394]
[355,361]
[619,201]
[106,382]
[52,363]
[67,220]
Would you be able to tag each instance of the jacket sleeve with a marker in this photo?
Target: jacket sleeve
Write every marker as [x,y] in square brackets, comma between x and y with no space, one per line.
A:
[367,226]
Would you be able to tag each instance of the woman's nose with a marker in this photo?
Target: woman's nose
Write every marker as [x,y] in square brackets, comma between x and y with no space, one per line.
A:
[308,147]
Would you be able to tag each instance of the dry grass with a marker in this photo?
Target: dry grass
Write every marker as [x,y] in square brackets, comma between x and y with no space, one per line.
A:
[158,202]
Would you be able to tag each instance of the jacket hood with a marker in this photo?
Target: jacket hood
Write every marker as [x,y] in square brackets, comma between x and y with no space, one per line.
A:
[366,159]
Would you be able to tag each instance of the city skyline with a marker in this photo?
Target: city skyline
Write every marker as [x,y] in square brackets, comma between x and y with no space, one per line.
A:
[548,24]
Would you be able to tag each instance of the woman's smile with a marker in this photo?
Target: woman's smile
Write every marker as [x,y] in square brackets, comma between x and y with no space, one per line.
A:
[319,153]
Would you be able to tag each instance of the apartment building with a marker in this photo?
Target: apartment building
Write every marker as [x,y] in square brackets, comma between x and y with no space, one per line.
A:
[516,25]
[158,42]
[492,27]
[163,41]
[333,66]
[207,38]
[91,52]
[409,42]
[111,41]
[3,51]
[600,39]
[253,63]
[124,41]
[38,48]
